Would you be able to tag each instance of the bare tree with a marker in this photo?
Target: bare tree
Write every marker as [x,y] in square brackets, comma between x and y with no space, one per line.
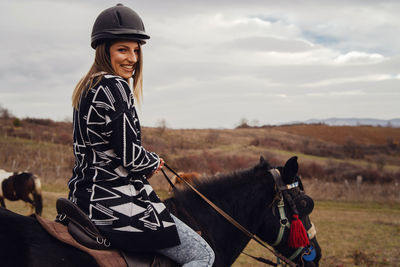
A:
[243,123]
[161,125]
[5,113]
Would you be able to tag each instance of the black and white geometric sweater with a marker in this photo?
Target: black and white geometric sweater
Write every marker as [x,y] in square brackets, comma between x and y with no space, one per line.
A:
[109,181]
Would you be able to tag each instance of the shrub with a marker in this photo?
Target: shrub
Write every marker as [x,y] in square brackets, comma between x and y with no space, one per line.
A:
[243,123]
[255,142]
[351,148]
[5,113]
[17,122]
[312,170]
[45,122]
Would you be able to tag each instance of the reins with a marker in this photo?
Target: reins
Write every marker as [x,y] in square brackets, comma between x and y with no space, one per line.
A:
[232,221]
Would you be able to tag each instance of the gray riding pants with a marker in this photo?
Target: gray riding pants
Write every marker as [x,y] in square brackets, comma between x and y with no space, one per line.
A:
[193,251]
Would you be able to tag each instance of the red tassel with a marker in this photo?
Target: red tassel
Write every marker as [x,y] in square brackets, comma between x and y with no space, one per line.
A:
[298,235]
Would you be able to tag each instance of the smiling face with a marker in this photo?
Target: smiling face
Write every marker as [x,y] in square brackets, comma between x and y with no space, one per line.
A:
[124,55]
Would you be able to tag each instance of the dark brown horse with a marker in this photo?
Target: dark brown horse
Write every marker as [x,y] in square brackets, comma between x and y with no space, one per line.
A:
[249,196]
[23,186]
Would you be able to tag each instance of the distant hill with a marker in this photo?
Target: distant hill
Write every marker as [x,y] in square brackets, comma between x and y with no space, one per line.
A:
[331,153]
[353,122]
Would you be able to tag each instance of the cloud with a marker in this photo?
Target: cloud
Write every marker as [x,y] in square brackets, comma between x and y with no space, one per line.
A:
[347,80]
[355,57]
[267,44]
[211,63]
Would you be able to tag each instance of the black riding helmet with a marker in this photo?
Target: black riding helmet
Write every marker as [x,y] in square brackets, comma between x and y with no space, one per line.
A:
[118,22]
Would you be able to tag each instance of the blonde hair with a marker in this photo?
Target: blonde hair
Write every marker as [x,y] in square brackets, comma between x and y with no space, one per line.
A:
[102,66]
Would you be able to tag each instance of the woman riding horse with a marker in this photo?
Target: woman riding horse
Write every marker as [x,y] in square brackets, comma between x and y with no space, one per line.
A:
[109,181]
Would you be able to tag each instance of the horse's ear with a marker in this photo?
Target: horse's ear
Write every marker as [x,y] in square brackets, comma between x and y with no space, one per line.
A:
[290,170]
[263,164]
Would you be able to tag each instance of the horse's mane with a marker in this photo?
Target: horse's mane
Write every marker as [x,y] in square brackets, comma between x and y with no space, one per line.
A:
[234,192]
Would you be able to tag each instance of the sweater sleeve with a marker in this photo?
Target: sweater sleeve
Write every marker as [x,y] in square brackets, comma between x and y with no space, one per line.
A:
[113,129]
[126,143]
[123,130]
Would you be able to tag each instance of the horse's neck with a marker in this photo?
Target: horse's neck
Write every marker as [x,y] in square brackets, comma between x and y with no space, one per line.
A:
[4,181]
[240,199]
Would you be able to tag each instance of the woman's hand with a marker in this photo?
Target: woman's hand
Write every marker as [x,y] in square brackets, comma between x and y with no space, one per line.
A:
[161,165]
[158,169]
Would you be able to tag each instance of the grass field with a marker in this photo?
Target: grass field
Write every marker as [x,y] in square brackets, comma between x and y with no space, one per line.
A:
[354,227]
[349,233]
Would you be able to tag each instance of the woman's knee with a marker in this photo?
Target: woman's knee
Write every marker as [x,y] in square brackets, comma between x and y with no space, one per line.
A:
[204,253]
[209,255]
[197,250]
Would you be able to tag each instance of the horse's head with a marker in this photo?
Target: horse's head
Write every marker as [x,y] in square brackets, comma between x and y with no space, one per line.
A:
[303,202]
[290,200]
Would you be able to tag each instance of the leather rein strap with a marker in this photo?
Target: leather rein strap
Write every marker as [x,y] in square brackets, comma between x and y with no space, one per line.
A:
[231,220]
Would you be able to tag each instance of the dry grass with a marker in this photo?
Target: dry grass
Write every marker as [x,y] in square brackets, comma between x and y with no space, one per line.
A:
[45,147]
[349,233]
[351,191]
[50,161]
[358,223]
[367,135]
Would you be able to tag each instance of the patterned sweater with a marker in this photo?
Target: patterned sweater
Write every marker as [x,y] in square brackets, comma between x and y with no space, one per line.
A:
[109,179]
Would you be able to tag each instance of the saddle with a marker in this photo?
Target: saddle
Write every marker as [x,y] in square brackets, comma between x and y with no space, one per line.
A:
[73,226]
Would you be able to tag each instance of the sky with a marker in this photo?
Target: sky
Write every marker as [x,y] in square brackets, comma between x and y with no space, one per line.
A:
[211,64]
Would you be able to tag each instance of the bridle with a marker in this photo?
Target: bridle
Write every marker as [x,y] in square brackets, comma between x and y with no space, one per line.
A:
[279,183]
[283,194]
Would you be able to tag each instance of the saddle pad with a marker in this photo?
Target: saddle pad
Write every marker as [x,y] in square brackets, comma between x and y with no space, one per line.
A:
[104,258]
